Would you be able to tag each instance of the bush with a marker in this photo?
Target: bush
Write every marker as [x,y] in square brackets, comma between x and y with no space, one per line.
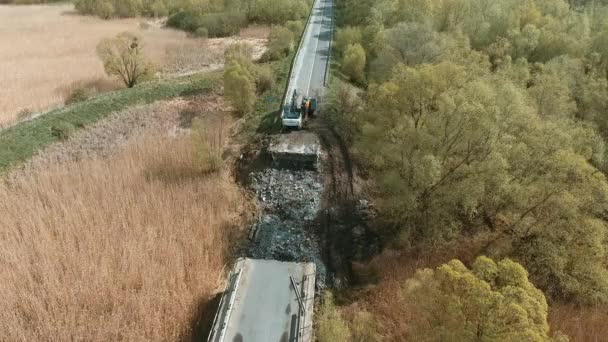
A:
[353,63]
[264,79]
[78,95]
[159,9]
[280,44]
[345,37]
[208,146]
[184,20]
[239,88]
[63,130]
[222,24]
[332,327]
[344,105]
[201,32]
[295,26]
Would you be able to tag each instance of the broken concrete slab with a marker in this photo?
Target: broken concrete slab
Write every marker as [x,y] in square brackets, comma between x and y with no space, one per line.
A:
[296,146]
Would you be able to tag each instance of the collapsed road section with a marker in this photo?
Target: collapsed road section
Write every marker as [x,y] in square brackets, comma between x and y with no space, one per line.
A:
[270,293]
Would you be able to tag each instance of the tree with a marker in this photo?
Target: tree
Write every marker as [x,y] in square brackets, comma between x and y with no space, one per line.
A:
[552,96]
[410,44]
[455,153]
[491,302]
[239,87]
[345,37]
[123,57]
[353,63]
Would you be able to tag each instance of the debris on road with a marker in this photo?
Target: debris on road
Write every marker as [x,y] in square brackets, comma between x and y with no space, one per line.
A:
[288,227]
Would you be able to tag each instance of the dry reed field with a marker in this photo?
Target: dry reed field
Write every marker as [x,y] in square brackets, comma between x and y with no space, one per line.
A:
[121,249]
[46,49]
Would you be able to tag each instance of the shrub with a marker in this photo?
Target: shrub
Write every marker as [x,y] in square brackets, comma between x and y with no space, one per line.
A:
[222,24]
[240,52]
[332,327]
[280,44]
[208,146]
[159,9]
[353,63]
[364,328]
[201,32]
[63,130]
[184,20]
[239,88]
[79,94]
[264,78]
[345,37]
[295,26]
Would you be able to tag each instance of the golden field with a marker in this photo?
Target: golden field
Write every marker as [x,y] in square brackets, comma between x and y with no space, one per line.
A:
[48,48]
[128,248]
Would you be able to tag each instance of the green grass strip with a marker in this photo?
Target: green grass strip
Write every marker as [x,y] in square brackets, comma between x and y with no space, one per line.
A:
[21,141]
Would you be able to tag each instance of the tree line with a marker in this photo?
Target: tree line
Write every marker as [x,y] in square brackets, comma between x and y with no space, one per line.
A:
[213,18]
[484,124]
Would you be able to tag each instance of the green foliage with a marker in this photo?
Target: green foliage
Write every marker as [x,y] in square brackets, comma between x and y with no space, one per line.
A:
[344,108]
[481,122]
[19,142]
[123,57]
[278,11]
[363,328]
[280,44]
[220,17]
[62,130]
[159,9]
[201,32]
[184,20]
[79,94]
[239,86]
[331,326]
[216,24]
[264,78]
[461,152]
[296,27]
[346,37]
[491,302]
[208,146]
[353,63]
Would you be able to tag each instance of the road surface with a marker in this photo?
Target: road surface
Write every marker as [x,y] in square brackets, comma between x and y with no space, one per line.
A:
[261,303]
[308,75]
[267,300]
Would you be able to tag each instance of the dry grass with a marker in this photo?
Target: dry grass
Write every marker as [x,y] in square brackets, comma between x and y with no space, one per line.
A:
[122,249]
[45,49]
[581,324]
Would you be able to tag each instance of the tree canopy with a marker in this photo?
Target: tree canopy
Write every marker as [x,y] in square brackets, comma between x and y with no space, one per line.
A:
[490,302]
[486,122]
[123,57]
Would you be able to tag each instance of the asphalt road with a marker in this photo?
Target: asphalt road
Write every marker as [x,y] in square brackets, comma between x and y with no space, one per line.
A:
[265,306]
[310,67]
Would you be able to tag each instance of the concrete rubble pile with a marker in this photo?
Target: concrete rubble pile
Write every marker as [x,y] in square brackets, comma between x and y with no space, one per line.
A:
[291,201]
